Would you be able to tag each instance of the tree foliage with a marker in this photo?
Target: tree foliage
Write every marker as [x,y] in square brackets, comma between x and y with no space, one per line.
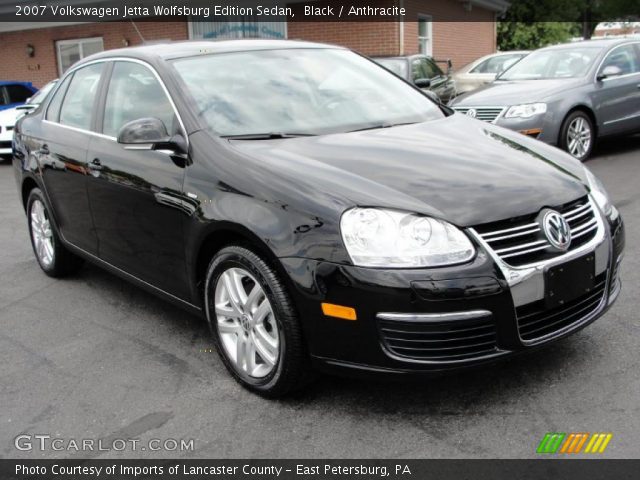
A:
[530,24]
[529,36]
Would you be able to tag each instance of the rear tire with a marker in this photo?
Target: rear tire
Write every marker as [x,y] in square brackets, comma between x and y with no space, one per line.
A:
[253,322]
[578,135]
[54,259]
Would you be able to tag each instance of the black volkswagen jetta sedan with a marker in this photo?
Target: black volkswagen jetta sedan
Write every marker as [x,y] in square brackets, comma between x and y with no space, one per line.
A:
[319,211]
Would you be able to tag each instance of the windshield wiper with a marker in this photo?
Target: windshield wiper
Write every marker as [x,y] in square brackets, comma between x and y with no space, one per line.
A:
[382,125]
[266,136]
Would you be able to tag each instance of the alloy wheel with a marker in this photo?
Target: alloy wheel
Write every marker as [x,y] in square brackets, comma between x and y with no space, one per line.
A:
[246,323]
[579,137]
[41,233]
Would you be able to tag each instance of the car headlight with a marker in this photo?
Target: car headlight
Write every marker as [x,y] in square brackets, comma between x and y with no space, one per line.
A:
[376,237]
[526,111]
[599,193]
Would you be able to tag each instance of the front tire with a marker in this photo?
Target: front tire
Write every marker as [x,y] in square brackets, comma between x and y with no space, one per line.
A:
[254,324]
[54,259]
[578,135]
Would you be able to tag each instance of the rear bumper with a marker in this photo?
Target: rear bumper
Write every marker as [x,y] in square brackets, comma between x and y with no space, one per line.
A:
[465,315]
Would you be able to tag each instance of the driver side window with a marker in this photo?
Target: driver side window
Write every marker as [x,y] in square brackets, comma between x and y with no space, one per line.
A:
[135,92]
[624,58]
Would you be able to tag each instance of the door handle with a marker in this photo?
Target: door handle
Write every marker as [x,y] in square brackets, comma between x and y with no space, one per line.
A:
[95,164]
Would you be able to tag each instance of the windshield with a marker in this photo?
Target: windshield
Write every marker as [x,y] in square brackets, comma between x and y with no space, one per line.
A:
[396,65]
[560,63]
[298,92]
[41,94]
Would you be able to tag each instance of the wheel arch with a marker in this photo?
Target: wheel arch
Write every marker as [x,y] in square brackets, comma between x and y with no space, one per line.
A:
[28,184]
[222,235]
[583,108]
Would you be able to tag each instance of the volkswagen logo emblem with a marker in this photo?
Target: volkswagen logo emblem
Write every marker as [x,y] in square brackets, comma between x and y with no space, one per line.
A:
[472,113]
[557,230]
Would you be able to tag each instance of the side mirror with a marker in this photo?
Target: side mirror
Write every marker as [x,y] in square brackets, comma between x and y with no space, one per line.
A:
[143,131]
[610,71]
[422,82]
[150,133]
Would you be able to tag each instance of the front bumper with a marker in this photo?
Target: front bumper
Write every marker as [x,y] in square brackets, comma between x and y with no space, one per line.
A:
[477,309]
[6,136]
[544,127]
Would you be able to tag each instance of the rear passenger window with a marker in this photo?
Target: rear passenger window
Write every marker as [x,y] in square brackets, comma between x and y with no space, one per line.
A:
[18,93]
[78,103]
[134,93]
[53,111]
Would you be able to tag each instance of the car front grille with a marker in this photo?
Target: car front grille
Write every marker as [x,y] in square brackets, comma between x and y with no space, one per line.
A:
[440,341]
[5,144]
[536,321]
[486,114]
[521,241]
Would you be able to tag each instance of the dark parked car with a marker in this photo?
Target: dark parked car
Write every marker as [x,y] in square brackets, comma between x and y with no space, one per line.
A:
[13,94]
[567,95]
[321,214]
[424,72]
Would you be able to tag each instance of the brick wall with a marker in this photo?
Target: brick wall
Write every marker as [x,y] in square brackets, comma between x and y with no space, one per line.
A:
[368,38]
[471,36]
[17,65]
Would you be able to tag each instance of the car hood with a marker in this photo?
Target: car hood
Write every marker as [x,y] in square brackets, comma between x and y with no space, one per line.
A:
[458,169]
[504,93]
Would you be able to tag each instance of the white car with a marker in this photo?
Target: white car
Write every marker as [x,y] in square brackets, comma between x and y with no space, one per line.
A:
[484,69]
[10,116]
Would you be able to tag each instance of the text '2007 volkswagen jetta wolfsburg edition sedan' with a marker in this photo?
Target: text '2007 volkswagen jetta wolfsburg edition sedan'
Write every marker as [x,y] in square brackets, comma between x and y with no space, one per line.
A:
[319,211]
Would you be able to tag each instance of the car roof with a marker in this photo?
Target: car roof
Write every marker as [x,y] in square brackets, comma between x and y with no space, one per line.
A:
[401,57]
[190,48]
[600,43]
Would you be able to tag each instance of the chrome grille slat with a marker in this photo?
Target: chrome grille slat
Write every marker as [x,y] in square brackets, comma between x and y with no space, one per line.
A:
[578,212]
[521,241]
[519,247]
[486,114]
[584,226]
[526,252]
[519,234]
[486,236]
[584,232]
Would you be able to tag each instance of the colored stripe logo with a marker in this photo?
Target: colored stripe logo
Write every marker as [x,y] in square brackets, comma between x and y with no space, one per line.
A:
[554,442]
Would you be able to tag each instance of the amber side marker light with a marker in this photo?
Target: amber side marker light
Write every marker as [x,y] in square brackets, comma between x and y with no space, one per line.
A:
[532,132]
[338,311]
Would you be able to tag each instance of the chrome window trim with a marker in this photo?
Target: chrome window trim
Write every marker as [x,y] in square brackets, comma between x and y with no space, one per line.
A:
[80,130]
[114,59]
[595,74]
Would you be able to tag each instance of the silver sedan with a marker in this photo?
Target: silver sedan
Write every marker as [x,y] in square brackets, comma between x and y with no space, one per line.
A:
[483,70]
[566,95]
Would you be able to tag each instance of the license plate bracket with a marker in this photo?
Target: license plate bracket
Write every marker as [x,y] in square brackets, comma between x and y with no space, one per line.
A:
[568,281]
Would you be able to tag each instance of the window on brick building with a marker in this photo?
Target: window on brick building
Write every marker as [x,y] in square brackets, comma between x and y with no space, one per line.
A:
[70,51]
[425,35]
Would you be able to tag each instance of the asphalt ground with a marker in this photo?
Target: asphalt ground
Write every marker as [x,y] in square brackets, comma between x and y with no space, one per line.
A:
[92,357]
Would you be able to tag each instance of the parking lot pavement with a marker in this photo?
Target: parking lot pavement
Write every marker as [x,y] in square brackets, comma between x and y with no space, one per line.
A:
[92,357]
